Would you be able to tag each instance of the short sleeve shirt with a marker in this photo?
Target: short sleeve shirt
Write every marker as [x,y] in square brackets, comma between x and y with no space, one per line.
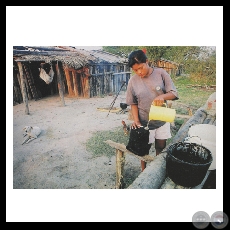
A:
[142,91]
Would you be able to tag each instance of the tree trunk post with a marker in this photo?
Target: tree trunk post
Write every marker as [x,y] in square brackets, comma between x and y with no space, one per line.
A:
[60,85]
[24,93]
[120,161]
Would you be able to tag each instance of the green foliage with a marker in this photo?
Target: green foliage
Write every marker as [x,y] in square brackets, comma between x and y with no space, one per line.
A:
[199,62]
[179,122]
[181,110]
[154,53]
[120,50]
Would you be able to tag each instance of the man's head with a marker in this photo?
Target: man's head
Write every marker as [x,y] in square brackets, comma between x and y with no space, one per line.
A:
[136,57]
[138,61]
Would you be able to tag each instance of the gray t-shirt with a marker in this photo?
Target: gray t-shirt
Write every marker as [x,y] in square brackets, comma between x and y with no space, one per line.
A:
[142,91]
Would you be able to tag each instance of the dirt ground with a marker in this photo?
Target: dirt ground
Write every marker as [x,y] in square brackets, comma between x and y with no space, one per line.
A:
[58,158]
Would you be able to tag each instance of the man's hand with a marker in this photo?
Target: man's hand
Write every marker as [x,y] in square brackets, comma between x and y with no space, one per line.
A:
[158,101]
[136,124]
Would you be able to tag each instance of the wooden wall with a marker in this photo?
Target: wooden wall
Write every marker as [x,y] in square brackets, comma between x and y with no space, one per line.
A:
[93,81]
[170,67]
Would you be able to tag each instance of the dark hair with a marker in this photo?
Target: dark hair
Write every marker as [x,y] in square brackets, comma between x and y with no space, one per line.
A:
[137,56]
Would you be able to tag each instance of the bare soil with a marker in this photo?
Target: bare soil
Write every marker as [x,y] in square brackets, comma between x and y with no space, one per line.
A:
[58,158]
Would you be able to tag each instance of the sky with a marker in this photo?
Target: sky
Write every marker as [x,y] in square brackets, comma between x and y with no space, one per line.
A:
[94,26]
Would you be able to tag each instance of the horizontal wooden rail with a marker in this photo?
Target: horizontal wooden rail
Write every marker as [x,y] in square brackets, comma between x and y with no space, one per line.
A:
[122,148]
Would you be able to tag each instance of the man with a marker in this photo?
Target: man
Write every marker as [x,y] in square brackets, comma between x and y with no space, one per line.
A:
[149,86]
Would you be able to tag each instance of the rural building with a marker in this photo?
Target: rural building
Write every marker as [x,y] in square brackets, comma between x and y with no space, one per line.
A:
[42,71]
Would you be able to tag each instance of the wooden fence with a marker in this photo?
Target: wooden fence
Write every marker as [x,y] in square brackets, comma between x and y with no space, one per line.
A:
[107,83]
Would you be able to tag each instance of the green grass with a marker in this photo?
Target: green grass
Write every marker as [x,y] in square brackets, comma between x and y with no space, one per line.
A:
[191,96]
[98,147]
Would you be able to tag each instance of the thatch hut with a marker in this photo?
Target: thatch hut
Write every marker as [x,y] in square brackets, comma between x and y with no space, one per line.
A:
[42,71]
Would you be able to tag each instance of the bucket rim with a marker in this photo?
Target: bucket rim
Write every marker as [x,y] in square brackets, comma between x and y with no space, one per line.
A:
[185,162]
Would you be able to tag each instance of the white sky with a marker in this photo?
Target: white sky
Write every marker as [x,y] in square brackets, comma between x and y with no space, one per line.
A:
[95,26]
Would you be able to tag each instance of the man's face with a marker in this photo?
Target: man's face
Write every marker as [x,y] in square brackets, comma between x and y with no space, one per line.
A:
[141,69]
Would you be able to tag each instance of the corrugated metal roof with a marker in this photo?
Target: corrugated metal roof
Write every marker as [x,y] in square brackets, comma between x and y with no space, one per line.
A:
[103,56]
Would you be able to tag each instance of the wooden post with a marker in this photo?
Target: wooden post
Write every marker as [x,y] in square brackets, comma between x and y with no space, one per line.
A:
[23,89]
[120,161]
[60,85]
[82,85]
[87,93]
[26,82]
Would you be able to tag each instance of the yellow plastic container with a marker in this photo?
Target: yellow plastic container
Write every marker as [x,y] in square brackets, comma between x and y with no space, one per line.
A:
[162,113]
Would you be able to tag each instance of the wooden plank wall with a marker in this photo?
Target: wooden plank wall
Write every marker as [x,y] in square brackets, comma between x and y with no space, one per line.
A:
[170,67]
[77,82]
[107,83]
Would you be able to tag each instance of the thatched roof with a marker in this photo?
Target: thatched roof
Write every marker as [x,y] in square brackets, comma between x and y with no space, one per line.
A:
[75,58]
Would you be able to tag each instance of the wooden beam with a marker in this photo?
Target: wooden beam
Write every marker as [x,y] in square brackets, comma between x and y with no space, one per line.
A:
[183,116]
[122,148]
[153,176]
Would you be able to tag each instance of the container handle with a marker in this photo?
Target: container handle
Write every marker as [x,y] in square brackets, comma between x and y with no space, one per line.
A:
[187,138]
[162,105]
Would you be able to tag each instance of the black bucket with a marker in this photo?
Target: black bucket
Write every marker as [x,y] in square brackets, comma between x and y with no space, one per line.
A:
[138,141]
[187,163]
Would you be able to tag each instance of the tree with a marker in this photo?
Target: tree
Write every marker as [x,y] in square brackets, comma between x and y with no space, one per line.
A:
[197,61]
